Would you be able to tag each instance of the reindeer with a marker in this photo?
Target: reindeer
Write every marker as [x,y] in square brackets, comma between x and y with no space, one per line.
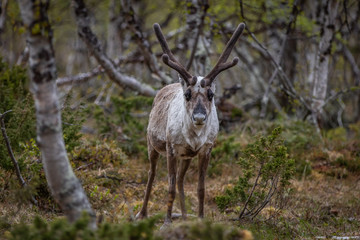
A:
[183,123]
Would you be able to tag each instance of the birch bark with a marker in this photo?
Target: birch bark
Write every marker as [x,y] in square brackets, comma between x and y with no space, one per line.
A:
[321,71]
[64,185]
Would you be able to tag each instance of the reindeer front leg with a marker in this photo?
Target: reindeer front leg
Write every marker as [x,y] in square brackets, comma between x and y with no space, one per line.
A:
[184,166]
[171,164]
[204,158]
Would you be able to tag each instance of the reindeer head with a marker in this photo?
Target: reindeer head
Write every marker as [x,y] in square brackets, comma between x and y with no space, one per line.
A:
[199,91]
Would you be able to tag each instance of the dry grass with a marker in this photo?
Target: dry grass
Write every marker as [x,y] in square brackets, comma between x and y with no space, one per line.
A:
[321,204]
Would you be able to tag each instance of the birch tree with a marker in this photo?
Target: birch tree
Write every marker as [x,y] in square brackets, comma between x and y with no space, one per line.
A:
[321,71]
[64,185]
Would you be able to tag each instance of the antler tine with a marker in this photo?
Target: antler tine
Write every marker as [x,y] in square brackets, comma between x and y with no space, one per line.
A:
[221,64]
[169,59]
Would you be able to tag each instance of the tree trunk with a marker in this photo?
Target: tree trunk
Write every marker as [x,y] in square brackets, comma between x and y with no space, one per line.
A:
[64,185]
[329,10]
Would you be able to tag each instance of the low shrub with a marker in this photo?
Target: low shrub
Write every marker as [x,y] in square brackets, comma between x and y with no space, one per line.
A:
[267,170]
[61,229]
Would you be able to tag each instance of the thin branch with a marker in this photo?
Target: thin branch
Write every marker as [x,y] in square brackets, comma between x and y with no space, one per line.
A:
[252,191]
[286,83]
[24,57]
[338,94]
[3,7]
[10,151]
[346,16]
[79,78]
[92,42]
[354,66]
[144,45]
[205,7]
[265,99]
[242,10]
[11,154]
[271,192]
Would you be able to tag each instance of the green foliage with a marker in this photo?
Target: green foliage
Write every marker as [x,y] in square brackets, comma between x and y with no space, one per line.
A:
[61,229]
[126,123]
[204,230]
[300,138]
[72,122]
[20,123]
[337,134]
[267,170]
[98,154]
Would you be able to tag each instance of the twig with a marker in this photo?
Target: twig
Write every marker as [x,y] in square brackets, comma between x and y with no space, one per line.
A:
[3,6]
[11,154]
[142,42]
[252,191]
[84,166]
[205,7]
[24,56]
[287,85]
[10,151]
[92,42]
[81,77]
[265,98]
[356,71]
[271,192]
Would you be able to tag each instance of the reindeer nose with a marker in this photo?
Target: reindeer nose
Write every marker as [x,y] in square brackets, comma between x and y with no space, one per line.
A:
[199,118]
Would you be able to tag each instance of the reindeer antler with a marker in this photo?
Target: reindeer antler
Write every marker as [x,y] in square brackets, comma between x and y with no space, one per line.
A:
[222,65]
[169,59]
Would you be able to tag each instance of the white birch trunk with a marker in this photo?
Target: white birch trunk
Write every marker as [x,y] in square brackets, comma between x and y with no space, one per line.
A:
[64,185]
[322,59]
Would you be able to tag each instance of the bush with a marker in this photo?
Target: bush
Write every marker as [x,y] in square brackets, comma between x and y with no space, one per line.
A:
[126,123]
[140,230]
[61,229]
[20,123]
[267,170]
[204,230]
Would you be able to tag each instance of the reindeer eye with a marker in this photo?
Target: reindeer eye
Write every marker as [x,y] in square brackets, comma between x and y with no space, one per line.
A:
[187,95]
[210,94]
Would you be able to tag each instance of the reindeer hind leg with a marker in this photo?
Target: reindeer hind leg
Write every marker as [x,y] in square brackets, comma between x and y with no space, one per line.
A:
[153,157]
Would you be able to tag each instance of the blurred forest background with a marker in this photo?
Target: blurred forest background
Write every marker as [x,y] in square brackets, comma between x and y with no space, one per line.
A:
[294,96]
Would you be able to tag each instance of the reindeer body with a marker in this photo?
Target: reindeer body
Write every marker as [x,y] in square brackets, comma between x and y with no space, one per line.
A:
[169,122]
[183,123]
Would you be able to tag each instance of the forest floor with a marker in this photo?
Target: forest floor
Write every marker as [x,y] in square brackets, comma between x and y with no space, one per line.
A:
[321,202]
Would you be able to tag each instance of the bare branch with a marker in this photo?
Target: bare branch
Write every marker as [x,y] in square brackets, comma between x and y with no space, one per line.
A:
[95,47]
[24,57]
[81,77]
[204,6]
[356,71]
[252,191]
[265,99]
[142,42]
[3,7]
[11,154]
[287,85]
